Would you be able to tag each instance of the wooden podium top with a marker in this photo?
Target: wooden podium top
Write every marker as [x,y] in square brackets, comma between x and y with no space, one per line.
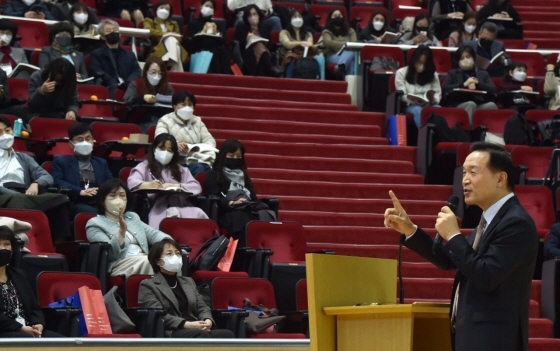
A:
[415,308]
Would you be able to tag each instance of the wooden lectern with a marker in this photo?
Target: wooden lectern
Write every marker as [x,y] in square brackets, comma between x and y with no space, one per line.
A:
[336,284]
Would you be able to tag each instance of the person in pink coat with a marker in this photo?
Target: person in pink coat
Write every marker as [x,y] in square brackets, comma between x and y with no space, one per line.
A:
[161,171]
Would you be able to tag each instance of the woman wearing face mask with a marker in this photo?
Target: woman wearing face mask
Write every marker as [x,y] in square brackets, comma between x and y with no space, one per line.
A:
[336,34]
[165,35]
[83,19]
[419,79]
[20,313]
[128,237]
[375,30]
[162,171]
[61,35]
[53,92]
[187,314]
[516,79]
[421,33]
[552,84]
[466,32]
[189,129]
[295,36]
[229,181]
[10,56]
[467,77]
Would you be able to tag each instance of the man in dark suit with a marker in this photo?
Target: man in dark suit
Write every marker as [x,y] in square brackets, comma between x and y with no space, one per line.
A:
[115,66]
[486,46]
[81,173]
[495,264]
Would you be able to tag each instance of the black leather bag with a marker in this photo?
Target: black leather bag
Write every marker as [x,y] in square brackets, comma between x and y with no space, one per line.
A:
[210,254]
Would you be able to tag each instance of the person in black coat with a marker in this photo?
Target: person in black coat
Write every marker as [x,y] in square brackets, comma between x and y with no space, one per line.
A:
[488,47]
[552,246]
[468,78]
[374,32]
[499,12]
[20,313]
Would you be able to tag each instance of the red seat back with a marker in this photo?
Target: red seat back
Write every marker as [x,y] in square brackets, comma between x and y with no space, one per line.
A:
[106,131]
[369,52]
[19,88]
[536,159]
[540,115]
[537,201]
[534,61]
[80,222]
[495,120]
[451,115]
[232,291]
[34,35]
[54,286]
[286,239]
[201,179]
[189,231]
[301,295]
[50,128]
[39,235]
[132,287]
[124,173]
[47,166]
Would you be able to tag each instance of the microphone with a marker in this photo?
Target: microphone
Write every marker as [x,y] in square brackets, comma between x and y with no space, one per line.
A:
[452,203]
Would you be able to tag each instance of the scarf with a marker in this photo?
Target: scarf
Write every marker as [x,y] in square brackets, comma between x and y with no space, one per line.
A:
[237,179]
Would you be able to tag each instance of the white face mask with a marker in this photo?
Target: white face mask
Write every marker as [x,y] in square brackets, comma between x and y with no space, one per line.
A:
[154,79]
[28,2]
[378,25]
[185,113]
[254,20]
[466,64]
[6,39]
[83,148]
[114,206]
[206,11]
[172,264]
[6,141]
[162,14]
[519,76]
[80,18]
[163,156]
[297,22]
[469,29]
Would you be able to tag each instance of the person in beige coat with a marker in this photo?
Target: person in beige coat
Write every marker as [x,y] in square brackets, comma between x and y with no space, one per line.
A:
[187,314]
[552,84]
[336,34]
[196,144]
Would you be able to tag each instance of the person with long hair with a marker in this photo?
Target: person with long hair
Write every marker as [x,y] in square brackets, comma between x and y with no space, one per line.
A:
[467,77]
[53,92]
[419,82]
[442,9]
[83,19]
[294,35]
[128,237]
[421,33]
[230,182]
[161,171]
[336,34]
[466,32]
[552,84]
[377,26]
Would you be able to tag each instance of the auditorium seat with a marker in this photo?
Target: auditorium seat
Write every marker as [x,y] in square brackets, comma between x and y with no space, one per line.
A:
[33,34]
[532,163]
[537,200]
[54,133]
[493,121]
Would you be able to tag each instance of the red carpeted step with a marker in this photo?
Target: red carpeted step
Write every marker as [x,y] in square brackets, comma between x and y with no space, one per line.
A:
[544,344]
[368,206]
[536,15]
[323,164]
[544,43]
[541,26]
[349,219]
[377,251]
[263,94]
[541,328]
[245,135]
[427,288]
[326,176]
[534,309]
[350,190]
[292,114]
[425,270]
[258,82]
[289,126]
[218,100]
[536,290]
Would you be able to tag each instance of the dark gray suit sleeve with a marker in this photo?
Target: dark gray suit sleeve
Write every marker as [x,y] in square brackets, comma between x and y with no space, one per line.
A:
[421,243]
[36,172]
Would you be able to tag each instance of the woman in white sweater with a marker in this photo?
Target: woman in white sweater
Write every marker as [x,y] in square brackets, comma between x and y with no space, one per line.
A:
[419,82]
[196,145]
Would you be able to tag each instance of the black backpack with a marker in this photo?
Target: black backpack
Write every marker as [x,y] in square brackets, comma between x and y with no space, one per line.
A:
[306,68]
[518,131]
[209,254]
[446,134]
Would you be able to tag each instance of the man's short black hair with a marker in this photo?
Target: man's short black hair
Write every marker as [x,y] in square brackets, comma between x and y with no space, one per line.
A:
[5,121]
[78,128]
[499,160]
[490,27]
[181,95]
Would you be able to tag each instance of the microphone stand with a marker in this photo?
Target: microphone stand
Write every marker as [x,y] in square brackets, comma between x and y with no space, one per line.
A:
[399,272]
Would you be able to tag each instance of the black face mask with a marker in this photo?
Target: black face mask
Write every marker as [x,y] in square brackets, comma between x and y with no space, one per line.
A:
[421,29]
[338,21]
[5,257]
[234,163]
[113,38]
[485,43]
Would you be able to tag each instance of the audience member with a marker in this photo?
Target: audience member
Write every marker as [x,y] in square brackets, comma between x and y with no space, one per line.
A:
[53,92]
[5,101]
[10,56]
[295,35]
[189,130]
[82,173]
[487,47]
[552,245]
[61,35]
[467,77]
[187,314]
[20,313]
[466,32]
[229,181]
[28,9]
[336,34]
[552,84]
[161,171]
[374,32]
[421,33]
[132,10]
[198,24]
[24,182]
[443,9]
[61,9]
[504,15]
[257,60]
[83,19]
[164,34]
[270,22]
[419,83]
[115,66]
[516,80]
[128,237]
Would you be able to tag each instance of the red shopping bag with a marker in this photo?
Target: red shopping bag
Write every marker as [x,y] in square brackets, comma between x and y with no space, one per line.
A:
[225,263]
[95,312]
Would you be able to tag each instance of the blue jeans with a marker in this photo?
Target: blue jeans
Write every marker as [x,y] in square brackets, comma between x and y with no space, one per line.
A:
[416,112]
[345,58]
[196,168]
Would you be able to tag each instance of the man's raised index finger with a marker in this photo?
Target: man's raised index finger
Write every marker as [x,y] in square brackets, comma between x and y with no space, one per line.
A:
[396,203]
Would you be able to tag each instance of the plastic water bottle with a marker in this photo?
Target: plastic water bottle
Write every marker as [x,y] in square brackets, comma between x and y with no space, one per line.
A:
[18,125]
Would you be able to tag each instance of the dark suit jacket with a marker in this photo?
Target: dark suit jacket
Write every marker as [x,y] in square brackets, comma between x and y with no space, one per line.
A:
[496,69]
[5,100]
[104,66]
[220,189]
[456,78]
[66,173]
[156,293]
[493,306]
[552,246]
[48,104]
[49,54]
[31,308]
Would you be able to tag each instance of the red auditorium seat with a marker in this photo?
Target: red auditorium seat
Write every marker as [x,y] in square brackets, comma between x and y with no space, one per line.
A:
[540,115]
[106,132]
[537,201]
[18,88]
[533,163]
[534,61]
[90,108]
[55,131]
[132,288]
[369,52]
[494,121]
[33,34]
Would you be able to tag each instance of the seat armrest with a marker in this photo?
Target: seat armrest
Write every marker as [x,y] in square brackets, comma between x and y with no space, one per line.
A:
[63,320]
[76,253]
[424,151]
[147,320]
[233,320]
[273,203]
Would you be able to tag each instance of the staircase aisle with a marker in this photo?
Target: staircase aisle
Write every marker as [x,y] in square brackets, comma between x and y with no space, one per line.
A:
[540,22]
